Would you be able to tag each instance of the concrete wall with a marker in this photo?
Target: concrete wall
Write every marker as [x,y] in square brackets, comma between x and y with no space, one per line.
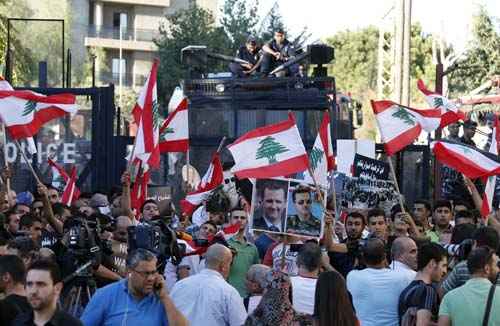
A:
[148,17]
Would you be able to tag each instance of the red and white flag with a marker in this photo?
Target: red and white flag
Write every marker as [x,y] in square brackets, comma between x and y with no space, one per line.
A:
[139,191]
[450,112]
[468,160]
[58,174]
[70,192]
[321,159]
[25,112]
[147,116]
[211,180]
[174,133]
[399,126]
[489,190]
[269,151]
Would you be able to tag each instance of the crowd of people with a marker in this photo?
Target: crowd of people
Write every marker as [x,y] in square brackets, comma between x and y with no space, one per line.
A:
[100,262]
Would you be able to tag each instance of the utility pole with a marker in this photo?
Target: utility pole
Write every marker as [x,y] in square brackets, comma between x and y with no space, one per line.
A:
[405,92]
[398,59]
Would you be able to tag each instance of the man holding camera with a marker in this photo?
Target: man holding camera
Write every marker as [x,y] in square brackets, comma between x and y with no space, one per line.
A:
[140,299]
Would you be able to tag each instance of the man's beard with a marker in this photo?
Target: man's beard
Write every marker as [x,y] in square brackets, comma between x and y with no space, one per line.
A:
[41,303]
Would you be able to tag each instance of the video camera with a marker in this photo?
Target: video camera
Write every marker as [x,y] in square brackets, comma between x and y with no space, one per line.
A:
[155,236]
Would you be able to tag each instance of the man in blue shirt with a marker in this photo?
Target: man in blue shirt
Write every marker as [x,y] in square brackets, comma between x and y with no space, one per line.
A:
[140,299]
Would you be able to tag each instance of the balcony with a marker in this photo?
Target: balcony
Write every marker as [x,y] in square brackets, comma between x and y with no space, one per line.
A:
[132,39]
[156,3]
[128,79]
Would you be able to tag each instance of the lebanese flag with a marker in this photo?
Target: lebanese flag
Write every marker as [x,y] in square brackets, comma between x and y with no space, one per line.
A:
[489,191]
[450,113]
[399,126]
[25,112]
[58,171]
[70,192]
[139,191]
[269,151]
[321,157]
[211,180]
[468,160]
[146,114]
[174,133]
[226,233]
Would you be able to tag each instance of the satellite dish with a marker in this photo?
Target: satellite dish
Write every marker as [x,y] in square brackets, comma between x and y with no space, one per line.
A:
[190,176]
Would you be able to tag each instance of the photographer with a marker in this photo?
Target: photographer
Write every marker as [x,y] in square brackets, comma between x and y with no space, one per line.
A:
[140,299]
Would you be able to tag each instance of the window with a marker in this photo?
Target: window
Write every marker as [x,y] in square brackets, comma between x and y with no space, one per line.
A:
[120,19]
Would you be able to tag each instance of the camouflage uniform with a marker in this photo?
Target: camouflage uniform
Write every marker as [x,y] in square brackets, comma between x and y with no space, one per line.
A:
[312,226]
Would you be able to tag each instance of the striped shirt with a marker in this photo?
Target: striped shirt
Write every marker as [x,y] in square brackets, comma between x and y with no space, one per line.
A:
[420,295]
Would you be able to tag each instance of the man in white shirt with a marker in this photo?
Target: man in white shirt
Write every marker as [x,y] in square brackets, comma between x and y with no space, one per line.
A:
[304,284]
[206,298]
[404,257]
[375,290]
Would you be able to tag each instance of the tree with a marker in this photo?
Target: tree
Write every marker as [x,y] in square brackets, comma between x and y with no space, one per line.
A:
[482,59]
[269,148]
[271,23]
[192,26]
[239,18]
[355,67]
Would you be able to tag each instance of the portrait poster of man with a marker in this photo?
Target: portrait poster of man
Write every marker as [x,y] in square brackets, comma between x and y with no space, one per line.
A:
[305,210]
[269,204]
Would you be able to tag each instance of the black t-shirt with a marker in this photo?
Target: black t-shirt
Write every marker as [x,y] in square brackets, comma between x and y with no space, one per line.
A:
[420,295]
[12,306]
[60,318]
[284,48]
[244,54]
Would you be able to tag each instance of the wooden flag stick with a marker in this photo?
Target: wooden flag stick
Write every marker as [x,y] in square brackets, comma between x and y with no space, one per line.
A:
[5,156]
[221,144]
[27,162]
[393,173]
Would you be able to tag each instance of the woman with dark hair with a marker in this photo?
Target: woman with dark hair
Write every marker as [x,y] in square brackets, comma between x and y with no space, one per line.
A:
[332,305]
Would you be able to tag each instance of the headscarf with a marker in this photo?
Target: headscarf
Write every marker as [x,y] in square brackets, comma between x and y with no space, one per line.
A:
[275,308]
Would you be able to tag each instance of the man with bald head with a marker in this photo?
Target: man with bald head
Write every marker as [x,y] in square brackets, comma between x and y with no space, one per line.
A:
[404,257]
[206,298]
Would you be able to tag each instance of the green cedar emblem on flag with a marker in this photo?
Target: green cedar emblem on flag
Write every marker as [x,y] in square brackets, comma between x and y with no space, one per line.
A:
[156,115]
[29,107]
[405,116]
[269,148]
[438,102]
[315,157]
[166,131]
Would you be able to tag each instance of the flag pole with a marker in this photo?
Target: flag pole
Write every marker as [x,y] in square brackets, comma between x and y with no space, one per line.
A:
[221,144]
[393,173]
[16,142]
[5,155]
[131,158]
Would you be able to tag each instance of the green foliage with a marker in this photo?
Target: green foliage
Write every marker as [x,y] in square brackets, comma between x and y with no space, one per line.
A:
[272,22]
[239,18]
[21,68]
[269,148]
[482,57]
[192,26]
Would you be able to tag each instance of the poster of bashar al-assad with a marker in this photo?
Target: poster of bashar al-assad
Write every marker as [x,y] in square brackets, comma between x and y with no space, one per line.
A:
[305,210]
[269,204]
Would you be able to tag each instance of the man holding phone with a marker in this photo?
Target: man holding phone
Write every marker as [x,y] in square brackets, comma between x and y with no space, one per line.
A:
[141,298]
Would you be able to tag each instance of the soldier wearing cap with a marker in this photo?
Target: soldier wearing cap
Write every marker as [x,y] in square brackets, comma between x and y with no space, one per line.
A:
[469,132]
[250,53]
[304,222]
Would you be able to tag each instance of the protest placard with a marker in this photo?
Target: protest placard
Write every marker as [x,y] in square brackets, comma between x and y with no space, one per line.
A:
[368,168]
[363,193]
[286,206]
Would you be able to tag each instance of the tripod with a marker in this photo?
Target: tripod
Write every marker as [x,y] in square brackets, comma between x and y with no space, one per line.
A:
[80,290]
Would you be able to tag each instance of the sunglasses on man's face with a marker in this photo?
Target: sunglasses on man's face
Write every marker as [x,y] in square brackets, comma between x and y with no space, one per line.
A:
[232,179]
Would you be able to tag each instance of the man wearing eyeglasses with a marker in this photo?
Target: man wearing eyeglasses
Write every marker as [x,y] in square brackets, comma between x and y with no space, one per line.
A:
[303,222]
[246,252]
[140,299]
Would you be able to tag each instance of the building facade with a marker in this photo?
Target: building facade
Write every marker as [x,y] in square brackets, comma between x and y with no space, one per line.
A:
[130,26]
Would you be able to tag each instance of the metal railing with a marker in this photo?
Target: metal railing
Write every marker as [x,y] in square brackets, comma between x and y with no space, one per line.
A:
[128,34]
